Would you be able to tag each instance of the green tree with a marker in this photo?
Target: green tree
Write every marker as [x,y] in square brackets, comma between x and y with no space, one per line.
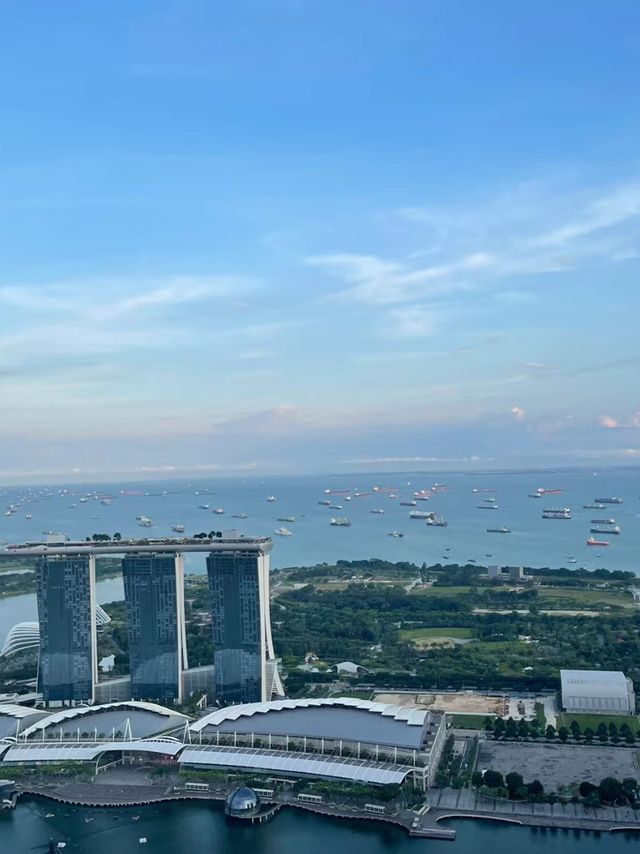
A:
[586,788]
[513,781]
[493,779]
[610,790]
[563,734]
[476,779]
[550,731]
[535,788]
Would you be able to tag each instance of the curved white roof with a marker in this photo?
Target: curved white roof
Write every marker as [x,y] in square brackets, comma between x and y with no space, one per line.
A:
[14,711]
[83,751]
[27,635]
[333,767]
[413,717]
[22,636]
[79,711]
[15,719]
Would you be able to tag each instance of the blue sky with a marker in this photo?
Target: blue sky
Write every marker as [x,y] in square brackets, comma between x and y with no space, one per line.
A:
[300,235]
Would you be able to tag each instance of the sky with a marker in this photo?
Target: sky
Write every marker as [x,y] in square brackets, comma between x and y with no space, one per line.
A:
[318,235]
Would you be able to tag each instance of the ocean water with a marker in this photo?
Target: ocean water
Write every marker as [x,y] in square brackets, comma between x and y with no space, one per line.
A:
[197,827]
[533,542]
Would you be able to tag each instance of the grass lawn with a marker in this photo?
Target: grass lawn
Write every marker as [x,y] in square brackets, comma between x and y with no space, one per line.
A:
[540,715]
[469,721]
[425,634]
[594,721]
[584,597]
[498,646]
[442,591]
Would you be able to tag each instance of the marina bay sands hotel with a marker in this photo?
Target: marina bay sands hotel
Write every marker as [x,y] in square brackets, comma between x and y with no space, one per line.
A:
[244,666]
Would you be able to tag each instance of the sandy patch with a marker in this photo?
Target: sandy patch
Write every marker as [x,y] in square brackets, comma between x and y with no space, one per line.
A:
[456,703]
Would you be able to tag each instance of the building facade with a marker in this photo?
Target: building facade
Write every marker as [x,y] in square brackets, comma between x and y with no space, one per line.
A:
[154,596]
[245,667]
[68,663]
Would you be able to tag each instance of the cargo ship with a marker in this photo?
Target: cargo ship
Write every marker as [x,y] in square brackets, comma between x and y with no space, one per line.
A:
[325,503]
[498,530]
[408,503]
[591,541]
[601,530]
[593,507]
[340,522]
[557,513]
[487,506]
[613,500]
[421,514]
[179,529]
[377,510]
[603,521]
[436,522]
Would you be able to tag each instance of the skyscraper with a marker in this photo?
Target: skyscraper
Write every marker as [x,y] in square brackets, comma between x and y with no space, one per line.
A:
[67,616]
[243,648]
[154,595]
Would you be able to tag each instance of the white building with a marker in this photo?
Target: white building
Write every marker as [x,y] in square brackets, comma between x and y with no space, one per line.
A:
[597,691]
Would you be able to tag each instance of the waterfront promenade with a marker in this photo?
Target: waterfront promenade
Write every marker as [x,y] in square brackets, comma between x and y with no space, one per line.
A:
[133,787]
[459,803]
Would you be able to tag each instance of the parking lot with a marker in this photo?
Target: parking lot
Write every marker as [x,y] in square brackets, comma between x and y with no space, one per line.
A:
[559,765]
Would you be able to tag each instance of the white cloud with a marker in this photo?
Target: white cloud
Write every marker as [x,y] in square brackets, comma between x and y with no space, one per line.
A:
[381,460]
[608,422]
[414,321]
[614,208]
[103,300]
[468,253]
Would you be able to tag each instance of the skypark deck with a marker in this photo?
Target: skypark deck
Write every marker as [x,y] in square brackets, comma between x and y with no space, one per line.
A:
[164,545]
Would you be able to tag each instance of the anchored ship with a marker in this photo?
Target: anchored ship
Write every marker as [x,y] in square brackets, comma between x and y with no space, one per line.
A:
[557,513]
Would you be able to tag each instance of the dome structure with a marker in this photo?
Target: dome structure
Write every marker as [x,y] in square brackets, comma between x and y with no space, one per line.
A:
[242,802]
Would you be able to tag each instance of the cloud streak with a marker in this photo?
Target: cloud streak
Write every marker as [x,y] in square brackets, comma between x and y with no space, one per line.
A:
[603,230]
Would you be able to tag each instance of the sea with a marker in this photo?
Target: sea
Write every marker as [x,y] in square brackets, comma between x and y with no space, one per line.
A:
[533,541]
[201,828]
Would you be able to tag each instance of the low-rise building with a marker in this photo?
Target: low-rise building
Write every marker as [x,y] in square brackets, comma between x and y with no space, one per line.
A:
[328,738]
[506,573]
[597,692]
